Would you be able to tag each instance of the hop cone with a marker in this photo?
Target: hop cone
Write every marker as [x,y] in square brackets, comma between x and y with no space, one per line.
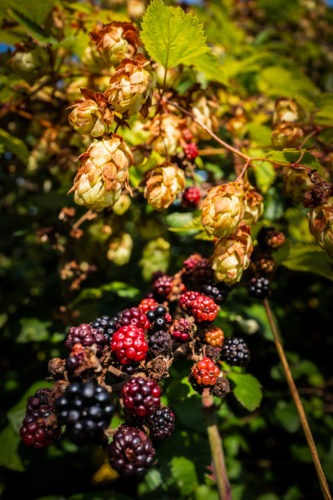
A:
[162,185]
[232,256]
[223,209]
[321,225]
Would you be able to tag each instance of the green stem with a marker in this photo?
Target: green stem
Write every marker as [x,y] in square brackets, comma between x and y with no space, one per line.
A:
[298,403]
[216,447]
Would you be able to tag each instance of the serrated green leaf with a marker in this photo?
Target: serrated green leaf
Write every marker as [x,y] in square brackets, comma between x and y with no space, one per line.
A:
[183,471]
[14,145]
[247,390]
[172,37]
[309,258]
[31,26]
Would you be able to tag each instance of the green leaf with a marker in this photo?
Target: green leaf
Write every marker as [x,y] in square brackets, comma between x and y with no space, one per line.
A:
[172,37]
[247,390]
[32,27]
[151,482]
[290,82]
[287,416]
[33,330]
[14,145]
[35,10]
[183,471]
[265,175]
[309,258]
[9,457]
[119,288]
[209,65]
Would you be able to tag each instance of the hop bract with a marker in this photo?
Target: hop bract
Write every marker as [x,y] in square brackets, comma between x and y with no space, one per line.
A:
[162,185]
[321,225]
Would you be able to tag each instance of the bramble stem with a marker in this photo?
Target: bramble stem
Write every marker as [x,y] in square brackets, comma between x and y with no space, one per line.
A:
[298,403]
[216,447]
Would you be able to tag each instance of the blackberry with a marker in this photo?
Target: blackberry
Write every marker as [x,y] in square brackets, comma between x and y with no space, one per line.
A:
[182,329]
[186,300]
[141,396]
[39,427]
[81,359]
[159,318]
[213,352]
[131,452]
[160,343]
[270,239]
[133,316]
[107,324]
[162,287]
[86,335]
[191,197]
[161,424]
[147,304]
[221,388]
[205,372]
[259,288]
[191,150]
[85,409]
[235,351]
[129,344]
[216,290]
[204,308]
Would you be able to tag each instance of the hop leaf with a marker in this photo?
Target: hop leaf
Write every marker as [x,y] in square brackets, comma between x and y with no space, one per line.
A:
[171,36]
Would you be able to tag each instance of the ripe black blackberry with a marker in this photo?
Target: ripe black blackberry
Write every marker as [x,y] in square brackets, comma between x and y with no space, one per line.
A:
[159,319]
[161,424]
[160,343]
[235,351]
[107,324]
[217,291]
[85,409]
[259,288]
[131,452]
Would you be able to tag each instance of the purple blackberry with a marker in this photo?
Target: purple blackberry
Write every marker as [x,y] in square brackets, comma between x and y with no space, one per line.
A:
[235,351]
[259,288]
[217,291]
[133,316]
[160,343]
[196,270]
[141,396]
[161,424]
[131,452]
[213,352]
[86,335]
[182,329]
[85,409]
[162,287]
[39,427]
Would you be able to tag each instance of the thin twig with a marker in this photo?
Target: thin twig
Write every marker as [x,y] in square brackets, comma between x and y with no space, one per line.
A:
[215,441]
[298,403]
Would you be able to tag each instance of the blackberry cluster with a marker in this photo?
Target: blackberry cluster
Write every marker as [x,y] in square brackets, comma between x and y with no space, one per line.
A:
[133,316]
[235,351]
[259,288]
[107,324]
[85,409]
[86,335]
[161,424]
[141,396]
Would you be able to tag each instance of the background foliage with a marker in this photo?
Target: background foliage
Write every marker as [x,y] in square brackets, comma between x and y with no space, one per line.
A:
[55,272]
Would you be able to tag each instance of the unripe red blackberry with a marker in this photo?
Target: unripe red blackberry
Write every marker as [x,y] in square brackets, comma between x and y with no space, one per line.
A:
[131,452]
[160,343]
[182,329]
[186,300]
[85,408]
[191,151]
[147,304]
[235,351]
[161,424]
[191,197]
[133,316]
[141,396]
[129,344]
[85,335]
[204,308]
[205,372]
[214,336]
[259,288]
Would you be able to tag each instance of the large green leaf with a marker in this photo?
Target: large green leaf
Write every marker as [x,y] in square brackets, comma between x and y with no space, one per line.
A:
[247,390]
[35,10]
[183,471]
[9,457]
[310,258]
[14,145]
[172,37]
